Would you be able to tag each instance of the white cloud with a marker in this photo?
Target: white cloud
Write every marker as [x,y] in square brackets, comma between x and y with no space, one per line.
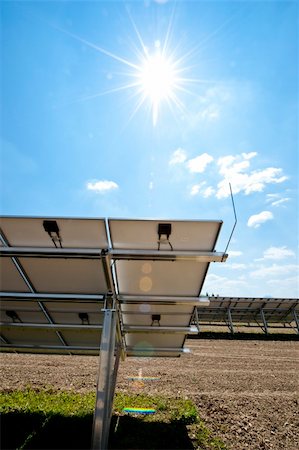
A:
[208,192]
[235,266]
[282,285]
[101,186]
[151,185]
[196,188]
[234,253]
[199,164]
[178,157]
[223,286]
[257,219]
[278,253]
[235,170]
[275,271]
[249,155]
[199,189]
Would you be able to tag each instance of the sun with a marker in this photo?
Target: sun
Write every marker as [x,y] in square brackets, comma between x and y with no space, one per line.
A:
[156,76]
[158,80]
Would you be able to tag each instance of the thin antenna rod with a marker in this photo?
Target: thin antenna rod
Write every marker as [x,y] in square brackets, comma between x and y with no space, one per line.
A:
[236,220]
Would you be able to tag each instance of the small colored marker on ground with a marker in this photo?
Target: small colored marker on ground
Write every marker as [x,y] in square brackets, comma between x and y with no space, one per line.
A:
[139,410]
[143,378]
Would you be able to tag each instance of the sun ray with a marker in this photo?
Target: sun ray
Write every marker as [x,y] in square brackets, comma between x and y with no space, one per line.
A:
[168,32]
[99,49]
[137,33]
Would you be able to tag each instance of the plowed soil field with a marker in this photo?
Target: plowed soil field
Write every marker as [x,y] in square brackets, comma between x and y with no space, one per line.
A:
[247,392]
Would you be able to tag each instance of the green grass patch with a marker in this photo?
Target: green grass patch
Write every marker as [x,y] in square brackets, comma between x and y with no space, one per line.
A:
[50,419]
[48,402]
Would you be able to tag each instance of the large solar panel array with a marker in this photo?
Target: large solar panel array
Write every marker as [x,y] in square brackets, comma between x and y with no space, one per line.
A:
[57,275]
[114,288]
[250,311]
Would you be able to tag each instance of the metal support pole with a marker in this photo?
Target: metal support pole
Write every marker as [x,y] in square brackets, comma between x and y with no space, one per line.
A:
[102,414]
[114,377]
[295,315]
[197,320]
[265,329]
[230,321]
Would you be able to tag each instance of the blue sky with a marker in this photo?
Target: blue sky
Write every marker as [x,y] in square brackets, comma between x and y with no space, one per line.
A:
[85,133]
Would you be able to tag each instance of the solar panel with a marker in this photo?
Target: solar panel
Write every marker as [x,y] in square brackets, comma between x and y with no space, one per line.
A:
[164,261]
[251,311]
[143,234]
[30,232]
[121,288]
[10,279]
[144,272]
[79,275]
[38,324]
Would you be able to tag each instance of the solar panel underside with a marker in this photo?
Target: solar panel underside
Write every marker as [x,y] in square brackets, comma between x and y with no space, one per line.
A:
[160,278]
[45,325]
[151,327]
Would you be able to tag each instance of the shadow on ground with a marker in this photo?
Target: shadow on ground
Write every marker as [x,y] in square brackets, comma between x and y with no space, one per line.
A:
[37,431]
[245,336]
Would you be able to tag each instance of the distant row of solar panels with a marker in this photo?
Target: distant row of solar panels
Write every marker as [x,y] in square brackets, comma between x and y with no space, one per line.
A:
[55,277]
[250,310]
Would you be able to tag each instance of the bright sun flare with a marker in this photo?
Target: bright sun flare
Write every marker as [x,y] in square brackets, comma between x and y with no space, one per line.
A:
[156,77]
[157,81]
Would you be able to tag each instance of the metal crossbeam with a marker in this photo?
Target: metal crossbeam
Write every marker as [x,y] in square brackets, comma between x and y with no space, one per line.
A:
[50,296]
[66,348]
[50,326]
[81,253]
[158,329]
[163,300]
[174,255]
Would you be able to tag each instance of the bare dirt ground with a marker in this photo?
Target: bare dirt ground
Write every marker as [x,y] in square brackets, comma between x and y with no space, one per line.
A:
[247,392]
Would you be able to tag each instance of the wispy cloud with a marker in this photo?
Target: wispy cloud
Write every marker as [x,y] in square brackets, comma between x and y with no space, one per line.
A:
[199,164]
[236,266]
[212,104]
[235,170]
[277,199]
[278,253]
[234,253]
[275,270]
[257,219]
[179,156]
[211,112]
[101,186]
[280,202]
